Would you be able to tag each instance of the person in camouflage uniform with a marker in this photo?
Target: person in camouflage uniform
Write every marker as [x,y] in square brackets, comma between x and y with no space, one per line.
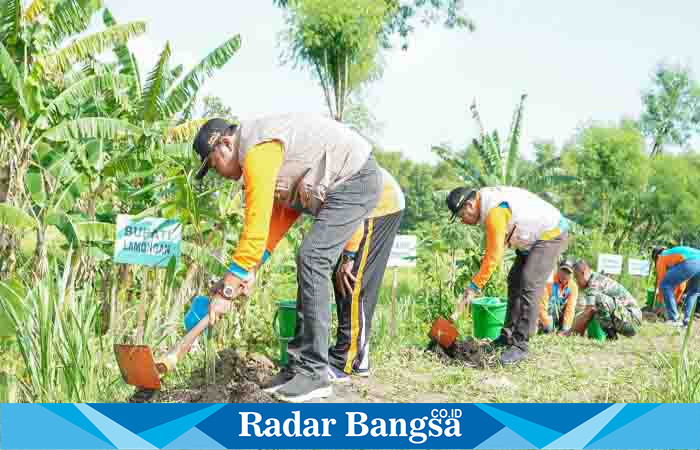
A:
[607,301]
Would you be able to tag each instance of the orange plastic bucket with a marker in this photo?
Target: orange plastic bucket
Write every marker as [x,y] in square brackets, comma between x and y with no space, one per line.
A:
[444,332]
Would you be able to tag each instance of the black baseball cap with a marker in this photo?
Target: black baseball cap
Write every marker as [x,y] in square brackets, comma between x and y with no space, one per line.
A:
[656,251]
[205,139]
[457,198]
[567,265]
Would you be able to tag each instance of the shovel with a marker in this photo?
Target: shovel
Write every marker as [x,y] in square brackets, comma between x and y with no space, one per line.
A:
[138,366]
[444,331]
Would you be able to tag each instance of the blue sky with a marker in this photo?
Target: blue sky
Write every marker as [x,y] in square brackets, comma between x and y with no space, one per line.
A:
[577,61]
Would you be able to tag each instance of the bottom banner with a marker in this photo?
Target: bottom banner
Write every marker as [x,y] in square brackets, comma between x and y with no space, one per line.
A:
[338,425]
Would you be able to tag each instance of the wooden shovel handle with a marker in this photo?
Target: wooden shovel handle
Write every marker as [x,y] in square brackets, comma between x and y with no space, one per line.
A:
[183,346]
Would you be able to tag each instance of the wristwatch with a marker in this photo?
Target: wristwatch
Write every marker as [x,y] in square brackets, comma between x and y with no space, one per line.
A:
[228,292]
[346,258]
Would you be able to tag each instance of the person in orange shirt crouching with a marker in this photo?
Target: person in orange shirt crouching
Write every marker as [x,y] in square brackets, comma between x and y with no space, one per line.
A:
[558,305]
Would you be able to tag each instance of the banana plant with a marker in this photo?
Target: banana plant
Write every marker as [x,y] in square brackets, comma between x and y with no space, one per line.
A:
[55,188]
[37,52]
[42,100]
[160,107]
[491,162]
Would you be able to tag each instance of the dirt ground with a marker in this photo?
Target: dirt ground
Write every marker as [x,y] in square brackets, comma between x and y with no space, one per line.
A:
[467,353]
[558,370]
[240,380]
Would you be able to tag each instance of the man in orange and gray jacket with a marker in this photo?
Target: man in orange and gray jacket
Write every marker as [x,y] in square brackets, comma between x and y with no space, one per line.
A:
[293,164]
[539,233]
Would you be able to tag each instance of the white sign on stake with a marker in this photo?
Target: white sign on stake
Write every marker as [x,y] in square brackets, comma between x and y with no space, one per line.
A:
[403,252]
[610,264]
[638,267]
[147,241]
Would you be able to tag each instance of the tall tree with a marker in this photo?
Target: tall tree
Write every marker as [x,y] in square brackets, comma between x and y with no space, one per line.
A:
[671,107]
[339,41]
[612,170]
[402,15]
[213,106]
[671,202]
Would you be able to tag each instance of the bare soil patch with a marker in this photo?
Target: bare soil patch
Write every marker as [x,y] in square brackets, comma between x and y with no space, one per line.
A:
[469,353]
[238,380]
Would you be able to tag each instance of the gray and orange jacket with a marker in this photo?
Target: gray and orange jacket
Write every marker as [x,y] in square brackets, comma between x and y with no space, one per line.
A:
[290,162]
[513,217]
[669,258]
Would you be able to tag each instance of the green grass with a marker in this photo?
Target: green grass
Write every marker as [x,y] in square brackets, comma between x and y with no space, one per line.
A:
[56,355]
[644,368]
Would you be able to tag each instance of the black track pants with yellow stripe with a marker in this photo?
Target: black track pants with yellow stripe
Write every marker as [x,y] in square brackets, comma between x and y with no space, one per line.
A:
[351,350]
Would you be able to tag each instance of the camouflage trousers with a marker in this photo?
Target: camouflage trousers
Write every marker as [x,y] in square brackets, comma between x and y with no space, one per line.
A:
[614,317]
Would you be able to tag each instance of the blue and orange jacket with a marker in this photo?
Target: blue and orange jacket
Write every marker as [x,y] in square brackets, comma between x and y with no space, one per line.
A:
[565,295]
[669,258]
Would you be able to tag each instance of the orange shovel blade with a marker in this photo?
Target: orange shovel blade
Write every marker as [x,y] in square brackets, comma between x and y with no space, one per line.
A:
[137,366]
[443,332]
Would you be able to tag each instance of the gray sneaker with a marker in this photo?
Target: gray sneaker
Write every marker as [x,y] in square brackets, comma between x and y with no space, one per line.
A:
[362,373]
[513,356]
[303,388]
[673,323]
[283,376]
[336,375]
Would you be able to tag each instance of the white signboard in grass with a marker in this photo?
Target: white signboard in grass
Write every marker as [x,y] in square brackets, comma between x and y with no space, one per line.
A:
[638,267]
[147,241]
[403,253]
[610,264]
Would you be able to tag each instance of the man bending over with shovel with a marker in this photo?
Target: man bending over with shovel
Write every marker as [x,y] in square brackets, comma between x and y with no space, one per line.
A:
[539,233]
[293,164]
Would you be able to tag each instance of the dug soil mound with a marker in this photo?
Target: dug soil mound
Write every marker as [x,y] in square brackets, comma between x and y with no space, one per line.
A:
[469,353]
[238,380]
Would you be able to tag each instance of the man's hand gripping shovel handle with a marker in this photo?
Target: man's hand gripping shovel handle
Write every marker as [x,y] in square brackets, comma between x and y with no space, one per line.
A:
[183,346]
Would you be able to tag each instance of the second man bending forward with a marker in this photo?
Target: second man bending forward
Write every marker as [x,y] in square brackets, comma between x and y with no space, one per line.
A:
[539,234]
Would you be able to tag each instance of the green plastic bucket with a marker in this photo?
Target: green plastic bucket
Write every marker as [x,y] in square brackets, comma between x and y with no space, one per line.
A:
[650,297]
[488,317]
[595,331]
[285,319]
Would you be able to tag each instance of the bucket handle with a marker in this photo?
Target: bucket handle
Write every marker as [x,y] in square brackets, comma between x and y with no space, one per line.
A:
[274,323]
[490,313]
